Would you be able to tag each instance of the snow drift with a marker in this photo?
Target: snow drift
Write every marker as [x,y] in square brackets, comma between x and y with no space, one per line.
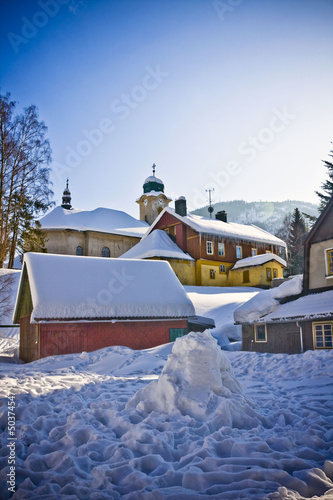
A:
[197,380]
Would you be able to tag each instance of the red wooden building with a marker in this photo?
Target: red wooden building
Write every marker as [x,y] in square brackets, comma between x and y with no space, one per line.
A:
[67,304]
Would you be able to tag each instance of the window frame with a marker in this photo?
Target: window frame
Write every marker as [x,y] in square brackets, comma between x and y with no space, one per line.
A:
[268,273]
[220,269]
[253,252]
[241,252]
[212,274]
[260,325]
[314,333]
[246,273]
[275,272]
[221,246]
[209,243]
[109,252]
[76,251]
[327,263]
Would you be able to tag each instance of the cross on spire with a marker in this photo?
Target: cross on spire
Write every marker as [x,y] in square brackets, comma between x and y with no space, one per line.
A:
[154,167]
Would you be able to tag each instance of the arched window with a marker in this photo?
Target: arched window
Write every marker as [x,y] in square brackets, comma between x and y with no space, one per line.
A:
[105,252]
[79,250]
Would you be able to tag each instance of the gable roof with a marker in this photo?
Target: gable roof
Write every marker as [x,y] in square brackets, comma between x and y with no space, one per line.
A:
[156,244]
[318,222]
[105,220]
[66,287]
[214,227]
[259,260]
[308,307]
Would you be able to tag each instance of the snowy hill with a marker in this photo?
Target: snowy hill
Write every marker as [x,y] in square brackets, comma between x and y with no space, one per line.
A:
[268,215]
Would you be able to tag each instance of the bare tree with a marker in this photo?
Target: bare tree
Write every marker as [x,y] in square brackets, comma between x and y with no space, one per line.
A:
[25,191]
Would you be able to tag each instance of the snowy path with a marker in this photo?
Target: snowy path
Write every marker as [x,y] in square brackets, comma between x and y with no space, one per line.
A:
[76,440]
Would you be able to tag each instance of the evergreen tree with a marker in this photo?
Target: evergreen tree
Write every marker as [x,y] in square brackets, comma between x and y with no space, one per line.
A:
[326,186]
[298,231]
[25,191]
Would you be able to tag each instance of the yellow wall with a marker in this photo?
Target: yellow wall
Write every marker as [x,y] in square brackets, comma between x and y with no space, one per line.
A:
[204,268]
[257,275]
[185,270]
[65,242]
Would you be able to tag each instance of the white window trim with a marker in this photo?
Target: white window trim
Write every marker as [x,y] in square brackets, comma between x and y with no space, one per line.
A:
[241,252]
[225,269]
[254,252]
[314,333]
[212,252]
[255,333]
[219,245]
[327,276]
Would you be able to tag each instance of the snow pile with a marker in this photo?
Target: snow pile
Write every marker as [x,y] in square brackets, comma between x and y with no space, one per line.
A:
[267,301]
[77,440]
[156,244]
[211,392]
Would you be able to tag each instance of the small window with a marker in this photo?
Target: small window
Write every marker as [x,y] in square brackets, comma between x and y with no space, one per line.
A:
[254,252]
[222,268]
[275,273]
[268,251]
[166,230]
[322,333]
[246,276]
[212,274]
[221,249]
[209,247]
[238,252]
[176,332]
[269,273]
[260,333]
[329,258]
[79,250]
[105,252]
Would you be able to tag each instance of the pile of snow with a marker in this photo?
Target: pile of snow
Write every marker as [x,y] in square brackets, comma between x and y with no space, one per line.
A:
[156,244]
[211,392]
[220,303]
[267,301]
[105,220]
[71,287]
[9,335]
[76,439]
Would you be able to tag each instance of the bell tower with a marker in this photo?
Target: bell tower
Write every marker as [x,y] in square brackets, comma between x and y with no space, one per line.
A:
[153,199]
[66,198]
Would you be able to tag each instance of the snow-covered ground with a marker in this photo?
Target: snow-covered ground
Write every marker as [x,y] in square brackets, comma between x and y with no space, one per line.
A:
[104,426]
[220,303]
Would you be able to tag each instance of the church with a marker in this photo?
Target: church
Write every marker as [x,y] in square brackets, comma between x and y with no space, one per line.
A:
[103,232]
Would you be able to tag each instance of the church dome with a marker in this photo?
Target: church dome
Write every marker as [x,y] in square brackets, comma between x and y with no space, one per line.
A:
[66,198]
[152,183]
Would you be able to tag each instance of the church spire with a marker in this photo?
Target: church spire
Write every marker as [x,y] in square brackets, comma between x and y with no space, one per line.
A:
[66,198]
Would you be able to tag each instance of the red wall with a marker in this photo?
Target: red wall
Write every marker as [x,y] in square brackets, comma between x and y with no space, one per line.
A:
[66,338]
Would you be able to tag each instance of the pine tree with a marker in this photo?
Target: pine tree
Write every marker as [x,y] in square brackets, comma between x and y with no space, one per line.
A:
[298,231]
[326,186]
[25,191]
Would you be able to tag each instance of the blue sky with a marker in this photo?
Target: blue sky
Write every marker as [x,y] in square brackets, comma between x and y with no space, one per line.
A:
[234,95]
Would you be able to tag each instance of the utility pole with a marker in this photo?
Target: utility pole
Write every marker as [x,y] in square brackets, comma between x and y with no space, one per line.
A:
[210,208]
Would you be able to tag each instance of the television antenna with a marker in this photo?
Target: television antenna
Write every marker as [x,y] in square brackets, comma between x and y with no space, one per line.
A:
[210,208]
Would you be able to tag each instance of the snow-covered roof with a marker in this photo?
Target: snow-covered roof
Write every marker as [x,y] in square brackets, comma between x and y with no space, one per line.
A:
[157,244]
[247,232]
[105,220]
[258,260]
[267,301]
[152,178]
[65,287]
[309,307]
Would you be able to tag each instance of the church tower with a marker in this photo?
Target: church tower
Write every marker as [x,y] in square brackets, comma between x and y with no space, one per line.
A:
[66,198]
[153,199]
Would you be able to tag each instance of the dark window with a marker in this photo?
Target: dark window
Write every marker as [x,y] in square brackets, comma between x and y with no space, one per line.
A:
[212,274]
[177,332]
[79,250]
[246,276]
[105,252]
[260,333]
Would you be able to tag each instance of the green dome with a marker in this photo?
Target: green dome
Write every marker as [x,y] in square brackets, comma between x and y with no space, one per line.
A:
[152,183]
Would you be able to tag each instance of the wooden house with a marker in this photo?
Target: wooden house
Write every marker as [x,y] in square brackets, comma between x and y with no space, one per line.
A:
[216,245]
[303,321]
[67,304]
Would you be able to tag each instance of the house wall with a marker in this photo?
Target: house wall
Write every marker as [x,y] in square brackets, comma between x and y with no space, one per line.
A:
[257,275]
[66,338]
[204,276]
[185,271]
[317,265]
[281,338]
[29,340]
[65,242]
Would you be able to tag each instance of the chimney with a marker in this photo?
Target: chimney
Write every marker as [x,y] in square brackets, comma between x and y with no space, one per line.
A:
[180,206]
[222,215]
